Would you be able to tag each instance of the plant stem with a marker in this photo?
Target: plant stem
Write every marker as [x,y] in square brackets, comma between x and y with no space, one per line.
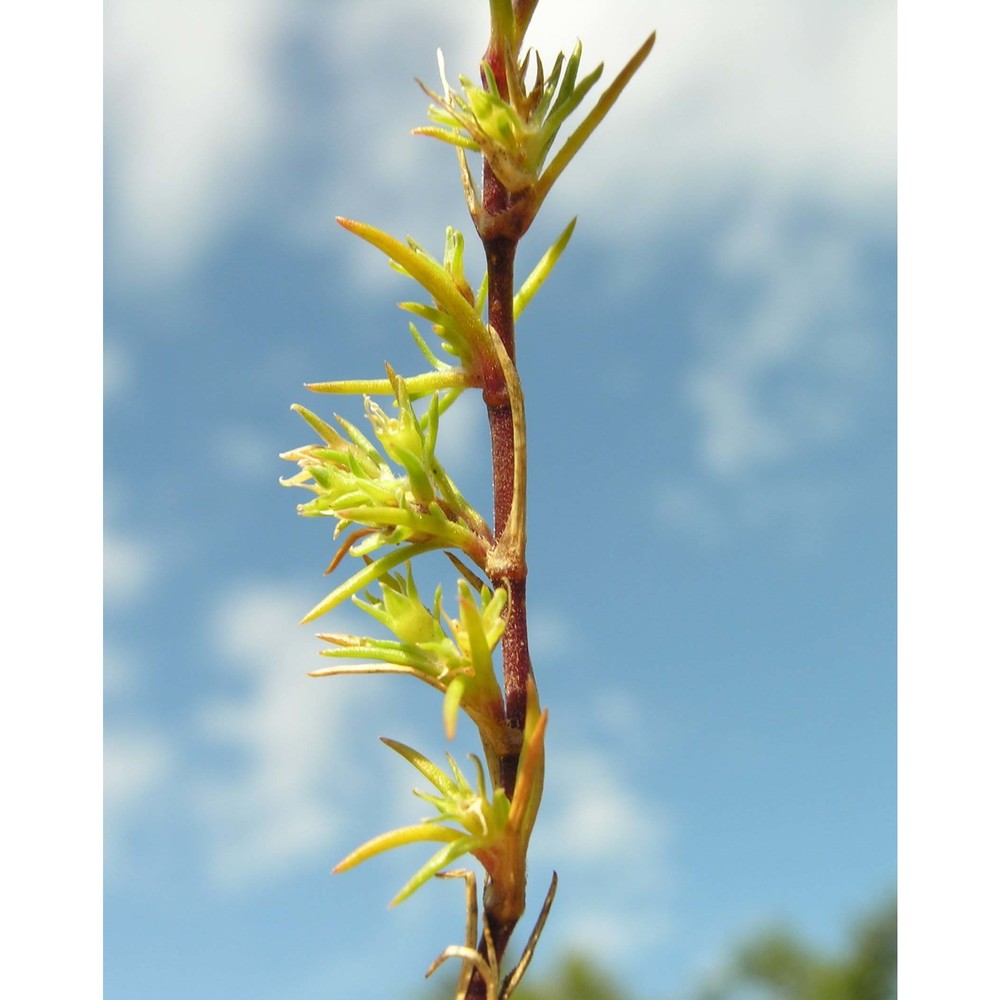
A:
[500,251]
[516,658]
[500,230]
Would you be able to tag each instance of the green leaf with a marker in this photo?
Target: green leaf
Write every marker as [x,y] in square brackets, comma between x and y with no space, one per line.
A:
[462,845]
[542,270]
[429,424]
[479,649]
[434,278]
[397,838]
[360,440]
[427,768]
[569,80]
[452,703]
[425,350]
[449,135]
[368,575]
[321,427]
[597,114]
[397,656]
[564,108]
[548,92]
[501,22]
[448,377]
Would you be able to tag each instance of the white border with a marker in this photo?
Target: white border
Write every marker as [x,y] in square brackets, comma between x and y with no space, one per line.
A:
[949,498]
[50,422]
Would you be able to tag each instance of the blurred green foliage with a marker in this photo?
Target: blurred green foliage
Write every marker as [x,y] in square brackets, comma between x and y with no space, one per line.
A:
[774,964]
[575,977]
[778,965]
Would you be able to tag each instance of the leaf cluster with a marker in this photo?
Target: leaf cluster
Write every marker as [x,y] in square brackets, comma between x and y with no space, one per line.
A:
[512,118]
[410,509]
[470,819]
[453,655]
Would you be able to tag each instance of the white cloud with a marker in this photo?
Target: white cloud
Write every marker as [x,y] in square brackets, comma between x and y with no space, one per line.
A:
[289,735]
[133,762]
[119,374]
[774,94]
[120,669]
[137,761]
[805,316]
[463,438]
[263,773]
[788,354]
[612,844]
[778,95]
[246,452]
[192,107]
[792,507]
[551,634]
[619,716]
[616,933]
[591,810]
[129,568]
[736,433]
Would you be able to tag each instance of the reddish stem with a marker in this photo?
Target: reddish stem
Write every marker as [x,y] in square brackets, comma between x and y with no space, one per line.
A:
[516,658]
[500,230]
[500,252]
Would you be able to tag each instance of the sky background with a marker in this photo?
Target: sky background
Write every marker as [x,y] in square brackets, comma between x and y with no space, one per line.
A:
[710,380]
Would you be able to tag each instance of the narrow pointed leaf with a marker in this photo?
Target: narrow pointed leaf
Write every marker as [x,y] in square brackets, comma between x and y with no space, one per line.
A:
[425,350]
[452,703]
[542,270]
[397,657]
[597,114]
[569,79]
[440,860]
[356,669]
[320,426]
[472,200]
[397,838]
[564,109]
[432,276]
[479,648]
[448,135]
[449,377]
[531,769]
[429,424]
[368,575]
[360,439]
[427,768]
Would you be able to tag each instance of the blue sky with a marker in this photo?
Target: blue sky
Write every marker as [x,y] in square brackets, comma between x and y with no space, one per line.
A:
[711,494]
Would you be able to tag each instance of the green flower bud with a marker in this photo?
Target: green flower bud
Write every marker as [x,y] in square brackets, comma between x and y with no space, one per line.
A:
[399,435]
[407,617]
